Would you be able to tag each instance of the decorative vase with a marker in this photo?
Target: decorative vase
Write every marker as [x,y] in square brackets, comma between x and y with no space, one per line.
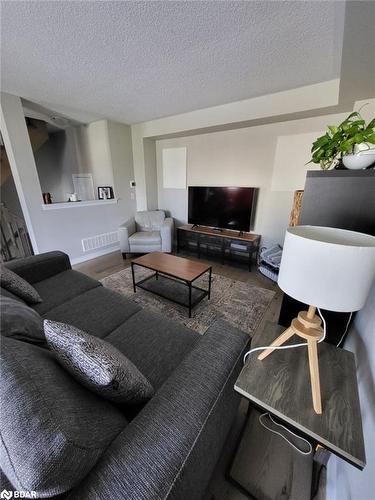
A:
[362,157]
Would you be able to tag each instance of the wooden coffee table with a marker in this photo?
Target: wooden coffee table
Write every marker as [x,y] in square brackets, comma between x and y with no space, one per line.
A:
[173,278]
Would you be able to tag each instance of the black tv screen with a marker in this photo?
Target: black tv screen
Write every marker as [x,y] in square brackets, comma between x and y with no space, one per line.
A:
[221,207]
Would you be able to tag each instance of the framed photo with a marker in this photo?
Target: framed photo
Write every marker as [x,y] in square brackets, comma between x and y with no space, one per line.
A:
[105,193]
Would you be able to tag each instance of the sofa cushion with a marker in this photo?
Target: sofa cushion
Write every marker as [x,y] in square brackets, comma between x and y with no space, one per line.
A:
[20,321]
[62,287]
[18,286]
[154,344]
[6,293]
[149,220]
[145,238]
[53,430]
[97,364]
[98,311]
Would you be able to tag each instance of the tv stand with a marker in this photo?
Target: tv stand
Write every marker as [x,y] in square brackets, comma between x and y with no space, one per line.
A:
[227,243]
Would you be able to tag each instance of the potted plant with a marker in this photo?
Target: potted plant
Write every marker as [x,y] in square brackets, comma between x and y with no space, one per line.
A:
[352,141]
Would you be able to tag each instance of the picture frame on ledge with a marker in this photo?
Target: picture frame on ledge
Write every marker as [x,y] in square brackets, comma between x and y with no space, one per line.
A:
[105,193]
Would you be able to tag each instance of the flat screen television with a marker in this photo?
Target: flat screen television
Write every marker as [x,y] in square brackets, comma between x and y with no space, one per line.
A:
[222,207]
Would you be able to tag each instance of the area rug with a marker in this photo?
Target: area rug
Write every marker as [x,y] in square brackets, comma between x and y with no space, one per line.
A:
[239,303]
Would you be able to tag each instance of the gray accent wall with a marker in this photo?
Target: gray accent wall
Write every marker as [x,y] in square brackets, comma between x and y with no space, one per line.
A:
[345,482]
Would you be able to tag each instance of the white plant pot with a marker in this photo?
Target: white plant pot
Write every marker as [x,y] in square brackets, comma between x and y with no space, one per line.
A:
[363,157]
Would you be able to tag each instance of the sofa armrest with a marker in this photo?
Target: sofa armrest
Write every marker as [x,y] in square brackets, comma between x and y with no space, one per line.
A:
[40,267]
[125,230]
[166,234]
[170,449]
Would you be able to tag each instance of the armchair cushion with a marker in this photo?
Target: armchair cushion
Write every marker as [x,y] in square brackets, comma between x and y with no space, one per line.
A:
[145,238]
[150,220]
[149,231]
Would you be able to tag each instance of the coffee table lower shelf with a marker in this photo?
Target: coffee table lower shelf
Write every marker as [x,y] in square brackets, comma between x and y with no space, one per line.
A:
[174,289]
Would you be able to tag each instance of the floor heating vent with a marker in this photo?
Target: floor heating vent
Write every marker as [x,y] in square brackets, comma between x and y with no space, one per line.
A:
[99,241]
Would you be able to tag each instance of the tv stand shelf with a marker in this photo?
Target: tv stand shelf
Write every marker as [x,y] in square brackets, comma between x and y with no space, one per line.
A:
[227,242]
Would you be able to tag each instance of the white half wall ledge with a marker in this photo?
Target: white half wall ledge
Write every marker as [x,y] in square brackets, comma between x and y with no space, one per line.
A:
[78,204]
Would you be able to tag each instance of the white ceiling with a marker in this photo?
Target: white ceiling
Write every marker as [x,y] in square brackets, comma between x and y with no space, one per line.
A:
[134,61]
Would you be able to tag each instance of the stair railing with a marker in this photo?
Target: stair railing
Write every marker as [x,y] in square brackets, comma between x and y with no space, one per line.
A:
[15,240]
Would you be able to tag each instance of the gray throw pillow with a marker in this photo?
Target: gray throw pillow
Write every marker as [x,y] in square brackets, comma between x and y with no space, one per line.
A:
[20,321]
[17,285]
[97,364]
[53,430]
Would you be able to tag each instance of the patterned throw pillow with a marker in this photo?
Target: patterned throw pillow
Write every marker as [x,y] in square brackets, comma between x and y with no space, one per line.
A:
[17,285]
[97,364]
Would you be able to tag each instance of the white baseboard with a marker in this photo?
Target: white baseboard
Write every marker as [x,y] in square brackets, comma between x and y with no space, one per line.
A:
[93,255]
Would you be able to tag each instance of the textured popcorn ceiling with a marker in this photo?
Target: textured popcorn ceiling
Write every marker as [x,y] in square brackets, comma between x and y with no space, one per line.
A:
[135,61]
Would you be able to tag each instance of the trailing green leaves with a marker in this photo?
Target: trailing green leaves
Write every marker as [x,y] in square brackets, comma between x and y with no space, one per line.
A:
[341,139]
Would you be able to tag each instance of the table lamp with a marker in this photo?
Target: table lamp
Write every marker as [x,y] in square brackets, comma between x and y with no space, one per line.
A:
[327,268]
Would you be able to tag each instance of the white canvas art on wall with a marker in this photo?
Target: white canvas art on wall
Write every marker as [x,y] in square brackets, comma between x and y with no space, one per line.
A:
[174,168]
[83,186]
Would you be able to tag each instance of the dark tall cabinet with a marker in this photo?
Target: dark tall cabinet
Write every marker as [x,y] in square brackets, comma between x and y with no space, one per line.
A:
[336,198]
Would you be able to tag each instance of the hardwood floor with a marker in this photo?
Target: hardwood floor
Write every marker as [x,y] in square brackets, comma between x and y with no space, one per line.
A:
[100,267]
[111,263]
[219,487]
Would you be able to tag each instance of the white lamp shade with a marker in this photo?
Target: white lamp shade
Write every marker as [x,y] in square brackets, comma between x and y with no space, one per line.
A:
[327,267]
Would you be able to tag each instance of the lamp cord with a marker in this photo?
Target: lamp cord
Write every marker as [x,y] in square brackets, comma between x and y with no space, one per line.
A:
[282,435]
[301,344]
[346,329]
[289,347]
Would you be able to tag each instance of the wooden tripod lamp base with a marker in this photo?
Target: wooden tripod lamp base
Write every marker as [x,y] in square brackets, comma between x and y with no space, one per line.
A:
[307,326]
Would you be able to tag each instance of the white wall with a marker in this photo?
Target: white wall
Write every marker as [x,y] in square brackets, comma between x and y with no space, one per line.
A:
[345,482]
[94,155]
[64,229]
[76,150]
[8,191]
[55,162]
[301,99]
[120,147]
[270,157]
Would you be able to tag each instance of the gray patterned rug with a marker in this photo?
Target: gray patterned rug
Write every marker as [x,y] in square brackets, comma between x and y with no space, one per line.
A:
[239,303]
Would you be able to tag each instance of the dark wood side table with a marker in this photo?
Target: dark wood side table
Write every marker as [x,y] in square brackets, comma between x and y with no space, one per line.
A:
[280,385]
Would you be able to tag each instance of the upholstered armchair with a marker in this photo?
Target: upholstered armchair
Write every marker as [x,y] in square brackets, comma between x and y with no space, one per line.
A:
[146,232]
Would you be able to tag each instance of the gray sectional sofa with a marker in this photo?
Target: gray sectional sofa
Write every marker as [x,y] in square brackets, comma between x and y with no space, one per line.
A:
[169,446]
